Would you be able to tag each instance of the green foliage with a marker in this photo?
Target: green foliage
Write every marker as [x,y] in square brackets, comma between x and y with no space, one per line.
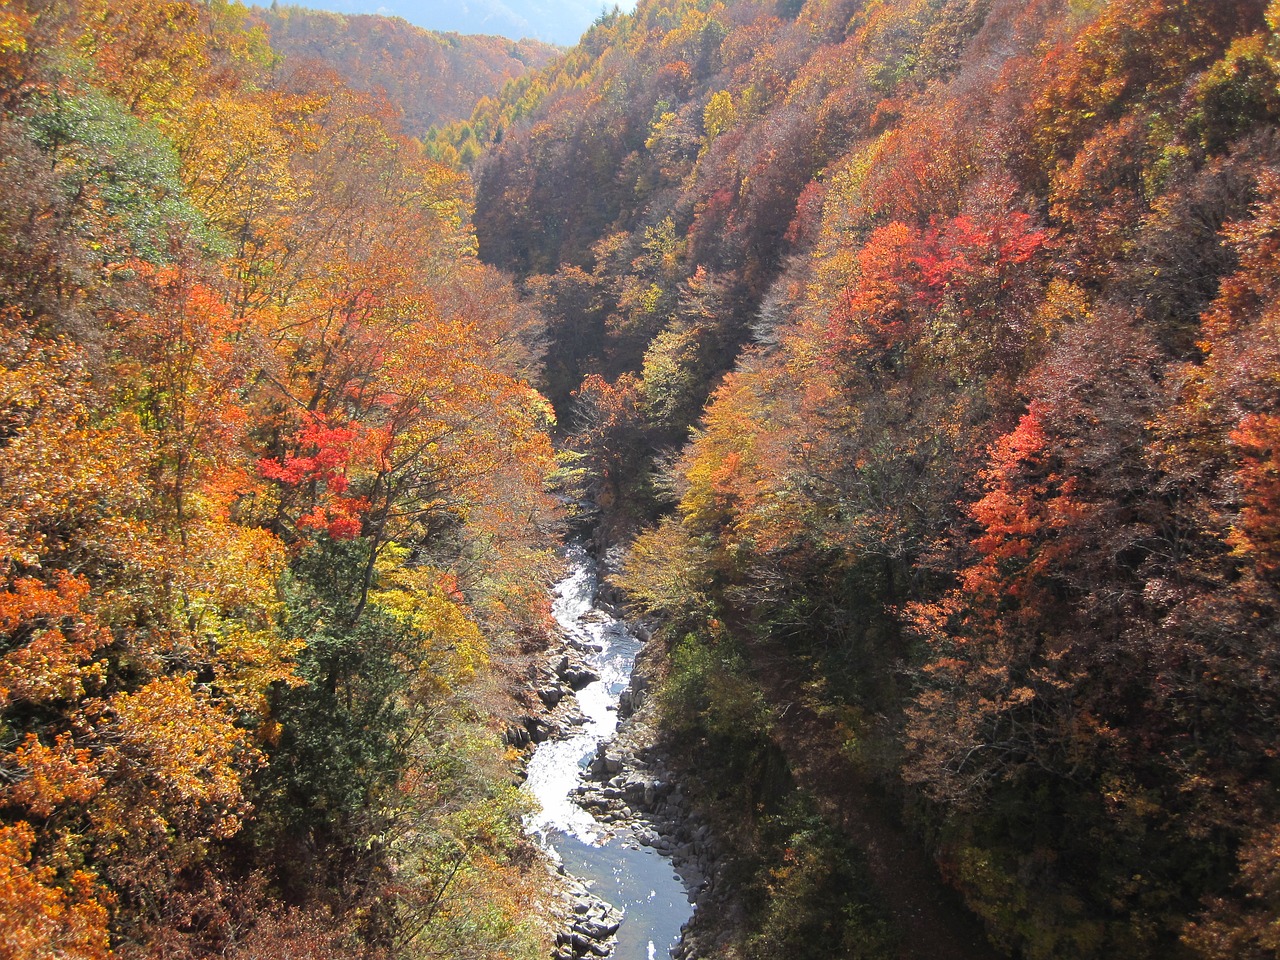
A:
[1237,92]
[123,172]
[340,752]
[673,380]
[381,761]
[1048,930]
[819,902]
[707,694]
[804,885]
[466,832]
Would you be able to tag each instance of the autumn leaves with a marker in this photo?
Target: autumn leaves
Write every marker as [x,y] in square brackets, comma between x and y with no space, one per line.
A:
[995,464]
[243,326]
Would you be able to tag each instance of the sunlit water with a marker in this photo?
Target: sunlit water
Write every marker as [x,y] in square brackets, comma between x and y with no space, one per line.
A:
[639,881]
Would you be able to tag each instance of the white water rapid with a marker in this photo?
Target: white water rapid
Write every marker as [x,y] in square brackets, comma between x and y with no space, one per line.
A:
[635,879]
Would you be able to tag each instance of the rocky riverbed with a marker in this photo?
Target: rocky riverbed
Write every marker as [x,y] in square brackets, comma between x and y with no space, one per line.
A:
[632,856]
[630,786]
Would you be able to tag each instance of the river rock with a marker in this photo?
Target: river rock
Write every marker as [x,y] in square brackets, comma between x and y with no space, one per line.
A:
[551,694]
[599,930]
[631,700]
[589,925]
[576,675]
[516,737]
[538,729]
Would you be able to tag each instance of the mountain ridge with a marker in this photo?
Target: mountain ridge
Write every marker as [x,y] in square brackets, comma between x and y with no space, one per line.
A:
[434,77]
[560,22]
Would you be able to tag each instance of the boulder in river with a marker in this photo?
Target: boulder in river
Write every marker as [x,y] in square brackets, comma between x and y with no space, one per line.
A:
[576,675]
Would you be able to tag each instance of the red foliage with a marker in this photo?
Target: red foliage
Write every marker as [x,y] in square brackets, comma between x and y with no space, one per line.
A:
[808,216]
[974,258]
[331,448]
[325,455]
[974,271]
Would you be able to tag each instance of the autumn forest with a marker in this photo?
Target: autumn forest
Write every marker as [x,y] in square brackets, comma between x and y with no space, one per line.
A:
[912,366]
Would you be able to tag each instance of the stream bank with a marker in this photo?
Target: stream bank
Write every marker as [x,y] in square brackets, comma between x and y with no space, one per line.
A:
[632,860]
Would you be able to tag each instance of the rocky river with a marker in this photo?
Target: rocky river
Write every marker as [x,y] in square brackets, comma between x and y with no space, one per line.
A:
[635,861]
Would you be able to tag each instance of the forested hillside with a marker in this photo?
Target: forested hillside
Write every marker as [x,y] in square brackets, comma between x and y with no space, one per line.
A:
[433,78]
[551,21]
[971,307]
[273,528]
[922,355]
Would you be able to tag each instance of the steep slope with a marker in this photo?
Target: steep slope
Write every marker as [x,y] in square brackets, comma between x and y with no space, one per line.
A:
[273,511]
[432,77]
[981,294]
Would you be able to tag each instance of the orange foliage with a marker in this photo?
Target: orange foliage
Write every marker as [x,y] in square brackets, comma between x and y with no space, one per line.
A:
[874,314]
[48,777]
[1134,50]
[39,918]
[55,641]
[1257,536]
[1026,517]
[924,163]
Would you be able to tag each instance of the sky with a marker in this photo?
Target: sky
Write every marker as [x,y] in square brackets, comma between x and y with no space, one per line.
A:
[553,21]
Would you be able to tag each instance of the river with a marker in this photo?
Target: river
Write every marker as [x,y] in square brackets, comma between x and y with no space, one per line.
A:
[635,879]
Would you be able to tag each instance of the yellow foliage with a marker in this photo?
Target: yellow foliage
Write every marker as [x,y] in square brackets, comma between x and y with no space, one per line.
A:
[719,115]
[175,762]
[13,27]
[659,129]
[236,151]
[150,54]
[452,647]
[667,571]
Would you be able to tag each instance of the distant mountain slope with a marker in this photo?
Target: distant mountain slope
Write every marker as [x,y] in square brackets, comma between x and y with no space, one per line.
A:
[555,21]
[432,77]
